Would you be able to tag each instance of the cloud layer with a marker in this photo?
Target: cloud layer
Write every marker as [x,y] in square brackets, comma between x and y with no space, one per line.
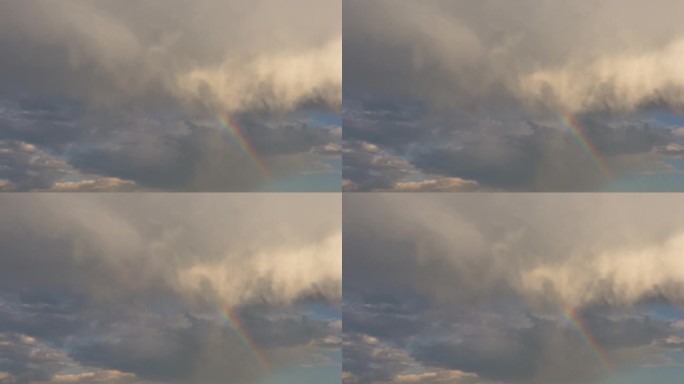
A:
[134,91]
[140,295]
[229,55]
[570,57]
[490,287]
[483,92]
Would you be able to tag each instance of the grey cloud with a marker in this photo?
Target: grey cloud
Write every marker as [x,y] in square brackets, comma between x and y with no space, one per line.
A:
[477,91]
[106,184]
[201,350]
[194,160]
[108,88]
[368,167]
[490,154]
[388,123]
[496,356]
[567,57]
[368,360]
[194,349]
[152,57]
[461,241]
[358,179]
[135,152]
[525,354]
[24,166]
[138,296]
[481,283]
[113,254]
[23,361]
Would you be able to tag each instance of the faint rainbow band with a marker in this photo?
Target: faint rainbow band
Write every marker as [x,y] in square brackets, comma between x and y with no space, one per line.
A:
[234,322]
[577,324]
[578,134]
[233,128]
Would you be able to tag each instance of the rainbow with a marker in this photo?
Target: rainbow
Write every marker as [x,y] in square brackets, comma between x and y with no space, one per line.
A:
[232,127]
[233,321]
[578,134]
[580,328]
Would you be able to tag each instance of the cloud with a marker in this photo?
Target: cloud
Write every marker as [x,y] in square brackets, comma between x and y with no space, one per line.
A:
[567,57]
[480,92]
[144,292]
[502,155]
[367,167]
[176,250]
[450,184]
[106,184]
[23,166]
[622,82]
[434,377]
[132,92]
[547,159]
[277,82]
[508,287]
[150,56]
[577,266]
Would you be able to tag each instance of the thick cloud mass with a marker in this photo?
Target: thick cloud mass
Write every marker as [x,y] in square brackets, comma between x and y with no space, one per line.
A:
[481,286]
[132,287]
[482,91]
[132,91]
[574,57]
[226,54]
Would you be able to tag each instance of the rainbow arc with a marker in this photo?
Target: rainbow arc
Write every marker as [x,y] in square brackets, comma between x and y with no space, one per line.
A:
[577,132]
[231,126]
[577,324]
[234,322]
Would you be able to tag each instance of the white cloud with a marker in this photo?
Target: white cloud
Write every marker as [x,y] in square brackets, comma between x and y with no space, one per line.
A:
[224,55]
[213,249]
[446,184]
[549,250]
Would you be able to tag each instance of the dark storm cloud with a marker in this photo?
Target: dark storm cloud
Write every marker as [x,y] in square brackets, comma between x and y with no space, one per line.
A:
[495,154]
[383,321]
[392,124]
[518,355]
[173,354]
[546,159]
[197,157]
[494,346]
[42,315]
[40,120]
[192,349]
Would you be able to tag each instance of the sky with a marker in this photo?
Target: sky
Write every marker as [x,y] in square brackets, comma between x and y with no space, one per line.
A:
[531,95]
[513,288]
[170,95]
[170,288]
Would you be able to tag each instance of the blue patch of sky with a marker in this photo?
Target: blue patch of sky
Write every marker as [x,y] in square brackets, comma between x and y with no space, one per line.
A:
[325,181]
[320,118]
[650,375]
[657,182]
[329,373]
